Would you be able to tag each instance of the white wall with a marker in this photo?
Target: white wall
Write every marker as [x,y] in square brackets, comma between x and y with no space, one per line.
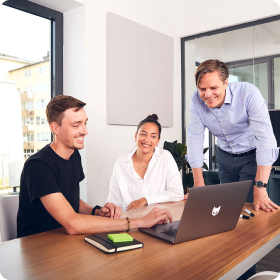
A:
[201,15]
[105,143]
[74,78]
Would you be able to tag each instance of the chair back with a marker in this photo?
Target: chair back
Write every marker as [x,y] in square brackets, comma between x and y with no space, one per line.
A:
[8,217]
[265,275]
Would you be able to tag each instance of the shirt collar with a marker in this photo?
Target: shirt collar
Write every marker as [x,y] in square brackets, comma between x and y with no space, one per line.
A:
[157,153]
[228,97]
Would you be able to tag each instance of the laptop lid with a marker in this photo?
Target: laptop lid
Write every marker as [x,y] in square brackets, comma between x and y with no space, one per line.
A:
[208,210]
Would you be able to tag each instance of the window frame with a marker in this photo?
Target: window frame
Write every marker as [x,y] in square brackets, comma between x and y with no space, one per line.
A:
[183,66]
[56,49]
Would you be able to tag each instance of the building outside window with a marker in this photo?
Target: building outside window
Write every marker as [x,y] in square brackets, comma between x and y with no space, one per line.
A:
[32,60]
[28,121]
[28,153]
[28,105]
[41,104]
[43,137]
[28,137]
[27,73]
[42,87]
[41,120]
[42,69]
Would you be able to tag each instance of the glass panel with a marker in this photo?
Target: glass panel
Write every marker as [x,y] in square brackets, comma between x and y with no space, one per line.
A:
[24,53]
[277,82]
[246,74]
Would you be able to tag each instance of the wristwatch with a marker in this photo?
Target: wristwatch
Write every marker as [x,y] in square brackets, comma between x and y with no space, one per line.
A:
[96,207]
[260,184]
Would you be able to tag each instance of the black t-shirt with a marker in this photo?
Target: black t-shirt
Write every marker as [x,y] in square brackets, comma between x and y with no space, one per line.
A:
[45,173]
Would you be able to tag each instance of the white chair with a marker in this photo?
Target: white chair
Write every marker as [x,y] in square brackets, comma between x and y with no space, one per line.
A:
[265,275]
[8,217]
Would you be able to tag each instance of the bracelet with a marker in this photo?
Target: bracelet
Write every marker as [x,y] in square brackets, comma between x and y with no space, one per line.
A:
[93,210]
[128,224]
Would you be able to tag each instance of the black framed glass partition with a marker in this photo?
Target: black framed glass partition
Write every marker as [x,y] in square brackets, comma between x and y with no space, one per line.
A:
[251,51]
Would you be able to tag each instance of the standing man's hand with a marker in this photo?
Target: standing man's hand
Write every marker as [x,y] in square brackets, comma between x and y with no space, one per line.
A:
[137,204]
[262,201]
[156,216]
[109,210]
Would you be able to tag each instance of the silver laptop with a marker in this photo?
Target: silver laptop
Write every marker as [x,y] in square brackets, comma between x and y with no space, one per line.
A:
[208,210]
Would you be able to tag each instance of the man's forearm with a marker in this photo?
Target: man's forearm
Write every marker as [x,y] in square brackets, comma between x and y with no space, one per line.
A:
[84,208]
[84,224]
[263,173]
[198,177]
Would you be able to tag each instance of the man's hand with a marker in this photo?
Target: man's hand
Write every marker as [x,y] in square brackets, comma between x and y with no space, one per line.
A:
[137,204]
[262,201]
[156,216]
[186,196]
[109,210]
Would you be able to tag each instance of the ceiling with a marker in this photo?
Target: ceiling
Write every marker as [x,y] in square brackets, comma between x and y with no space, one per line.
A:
[58,5]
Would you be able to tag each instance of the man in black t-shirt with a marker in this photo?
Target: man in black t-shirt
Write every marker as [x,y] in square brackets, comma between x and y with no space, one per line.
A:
[49,194]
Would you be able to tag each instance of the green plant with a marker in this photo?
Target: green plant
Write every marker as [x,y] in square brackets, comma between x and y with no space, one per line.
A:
[179,151]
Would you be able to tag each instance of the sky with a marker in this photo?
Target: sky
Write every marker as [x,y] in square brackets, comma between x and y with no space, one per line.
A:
[23,35]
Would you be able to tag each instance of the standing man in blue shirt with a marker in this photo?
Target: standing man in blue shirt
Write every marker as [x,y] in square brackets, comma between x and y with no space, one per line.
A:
[237,115]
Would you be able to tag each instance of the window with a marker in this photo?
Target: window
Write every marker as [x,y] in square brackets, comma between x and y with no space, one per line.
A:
[42,87]
[28,153]
[43,137]
[41,120]
[26,60]
[28,137]
[28,121]
[42,69]
[27,73]
[27,89]
[28,105]
[41,104]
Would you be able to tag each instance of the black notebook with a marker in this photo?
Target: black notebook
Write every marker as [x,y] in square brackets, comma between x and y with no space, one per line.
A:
[102,242]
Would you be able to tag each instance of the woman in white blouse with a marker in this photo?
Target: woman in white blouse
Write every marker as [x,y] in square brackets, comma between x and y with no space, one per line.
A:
[147,175]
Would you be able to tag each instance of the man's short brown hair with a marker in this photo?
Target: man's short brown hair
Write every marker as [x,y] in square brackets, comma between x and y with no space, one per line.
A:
[210,66]
[59,104]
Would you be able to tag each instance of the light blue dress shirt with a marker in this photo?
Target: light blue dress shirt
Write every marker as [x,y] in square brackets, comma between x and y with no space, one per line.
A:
[241,124]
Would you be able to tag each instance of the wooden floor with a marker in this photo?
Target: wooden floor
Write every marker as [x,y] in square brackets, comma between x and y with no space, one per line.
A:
[271,262]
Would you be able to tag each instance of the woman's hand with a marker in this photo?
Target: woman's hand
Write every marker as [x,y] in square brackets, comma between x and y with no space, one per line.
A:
[137,203]
[109,210]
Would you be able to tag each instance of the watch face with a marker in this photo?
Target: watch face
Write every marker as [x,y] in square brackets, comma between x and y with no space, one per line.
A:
[259,184]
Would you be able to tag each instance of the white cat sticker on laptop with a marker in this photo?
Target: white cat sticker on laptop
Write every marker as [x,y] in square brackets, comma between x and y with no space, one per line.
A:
[216,211]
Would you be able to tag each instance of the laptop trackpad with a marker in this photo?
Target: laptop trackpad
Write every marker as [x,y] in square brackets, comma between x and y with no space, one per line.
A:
[158,230]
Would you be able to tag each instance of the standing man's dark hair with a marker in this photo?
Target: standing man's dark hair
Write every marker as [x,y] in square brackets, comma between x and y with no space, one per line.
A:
[210,66]
[59,104]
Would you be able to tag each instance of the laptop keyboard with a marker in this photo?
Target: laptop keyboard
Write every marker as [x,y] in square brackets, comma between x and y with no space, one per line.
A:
[171,233]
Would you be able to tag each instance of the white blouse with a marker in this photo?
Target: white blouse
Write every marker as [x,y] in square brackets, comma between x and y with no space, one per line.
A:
[162,181]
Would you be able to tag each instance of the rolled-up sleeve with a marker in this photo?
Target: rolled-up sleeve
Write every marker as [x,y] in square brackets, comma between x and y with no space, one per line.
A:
[267,151]
[195,137]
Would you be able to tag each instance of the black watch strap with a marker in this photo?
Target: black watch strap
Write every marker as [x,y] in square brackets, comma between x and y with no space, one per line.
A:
[96,207]
[260,184]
